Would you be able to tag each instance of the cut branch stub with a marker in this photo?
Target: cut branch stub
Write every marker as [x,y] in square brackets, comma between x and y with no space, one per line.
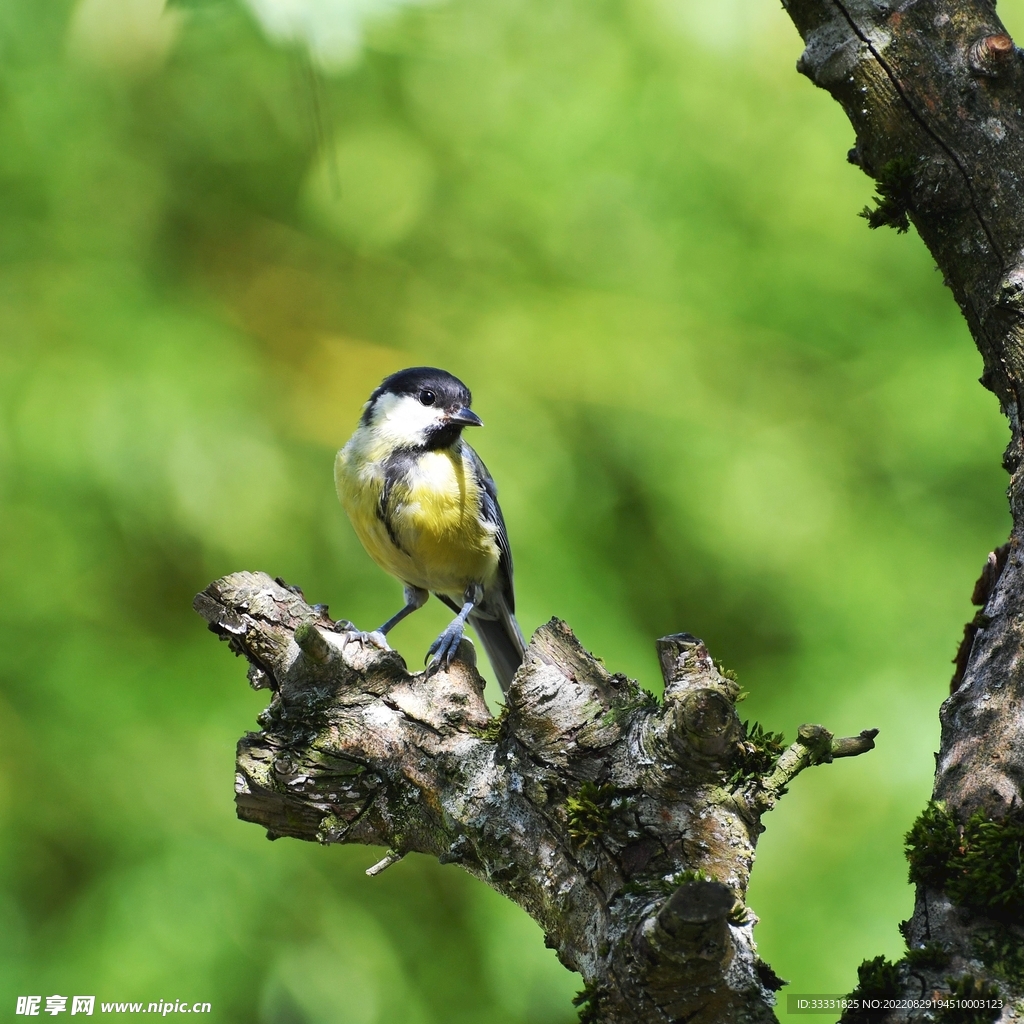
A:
[687,665]
[604,814]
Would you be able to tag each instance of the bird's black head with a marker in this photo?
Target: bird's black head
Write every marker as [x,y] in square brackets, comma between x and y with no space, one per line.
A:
[421,407]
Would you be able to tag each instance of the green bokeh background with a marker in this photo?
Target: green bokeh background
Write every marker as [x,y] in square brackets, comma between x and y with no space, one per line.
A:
[715,402]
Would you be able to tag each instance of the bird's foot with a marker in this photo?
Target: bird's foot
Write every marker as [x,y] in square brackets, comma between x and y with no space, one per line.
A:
[444,647]
[375,638]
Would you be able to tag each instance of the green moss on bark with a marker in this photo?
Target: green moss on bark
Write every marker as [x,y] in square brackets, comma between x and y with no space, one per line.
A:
[1001,949]
[971,990]
[494,731]
[893,194]
[877,979]
[588,1000]
[590,811]
[931,956]
[756,754]
[980,864]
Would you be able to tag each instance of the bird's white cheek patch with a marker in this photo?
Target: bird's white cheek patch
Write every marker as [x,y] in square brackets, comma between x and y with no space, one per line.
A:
[405,420]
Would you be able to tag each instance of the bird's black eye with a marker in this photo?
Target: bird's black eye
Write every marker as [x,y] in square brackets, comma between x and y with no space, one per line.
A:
[428,397]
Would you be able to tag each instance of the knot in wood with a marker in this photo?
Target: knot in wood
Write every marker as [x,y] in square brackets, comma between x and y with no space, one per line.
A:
[697,903]
[1011,289]
[991,55]
[818,742]
[709,722]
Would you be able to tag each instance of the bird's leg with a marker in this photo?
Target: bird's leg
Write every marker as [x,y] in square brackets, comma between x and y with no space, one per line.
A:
[414,600]
[444,647]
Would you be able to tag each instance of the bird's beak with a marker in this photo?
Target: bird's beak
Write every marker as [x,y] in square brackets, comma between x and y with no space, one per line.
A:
[465,418]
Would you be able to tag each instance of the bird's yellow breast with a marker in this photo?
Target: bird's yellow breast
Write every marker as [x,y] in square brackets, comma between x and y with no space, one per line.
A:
[438,539]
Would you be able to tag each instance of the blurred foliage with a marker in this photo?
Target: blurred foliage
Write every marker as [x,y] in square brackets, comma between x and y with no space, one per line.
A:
[715,402]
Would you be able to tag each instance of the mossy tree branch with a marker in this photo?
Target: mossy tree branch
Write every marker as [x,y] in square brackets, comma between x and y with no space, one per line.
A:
[935,93]
[626,827]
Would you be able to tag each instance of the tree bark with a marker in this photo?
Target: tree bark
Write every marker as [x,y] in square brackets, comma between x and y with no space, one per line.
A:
[935,93]
[624,826]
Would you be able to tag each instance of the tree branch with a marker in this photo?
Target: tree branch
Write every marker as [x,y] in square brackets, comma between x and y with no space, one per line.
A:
[934,92]
[625,827]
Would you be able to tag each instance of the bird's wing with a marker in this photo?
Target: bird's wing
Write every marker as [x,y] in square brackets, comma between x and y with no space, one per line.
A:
[491,512]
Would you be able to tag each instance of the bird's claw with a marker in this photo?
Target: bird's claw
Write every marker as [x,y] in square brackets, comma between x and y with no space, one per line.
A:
[444,648]
[374,638]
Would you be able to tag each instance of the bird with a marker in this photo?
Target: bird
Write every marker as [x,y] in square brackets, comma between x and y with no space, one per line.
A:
[426,510]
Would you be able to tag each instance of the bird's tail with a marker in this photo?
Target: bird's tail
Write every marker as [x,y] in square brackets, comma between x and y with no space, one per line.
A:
[503,641]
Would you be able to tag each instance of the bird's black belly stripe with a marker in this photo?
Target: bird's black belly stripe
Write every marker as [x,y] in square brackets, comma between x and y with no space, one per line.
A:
[396,468]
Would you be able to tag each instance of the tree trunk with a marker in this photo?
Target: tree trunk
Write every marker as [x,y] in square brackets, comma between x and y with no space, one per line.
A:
[935,92]
[624,826]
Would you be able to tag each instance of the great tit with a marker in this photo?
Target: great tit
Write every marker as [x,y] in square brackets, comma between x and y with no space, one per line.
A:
[426,510]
